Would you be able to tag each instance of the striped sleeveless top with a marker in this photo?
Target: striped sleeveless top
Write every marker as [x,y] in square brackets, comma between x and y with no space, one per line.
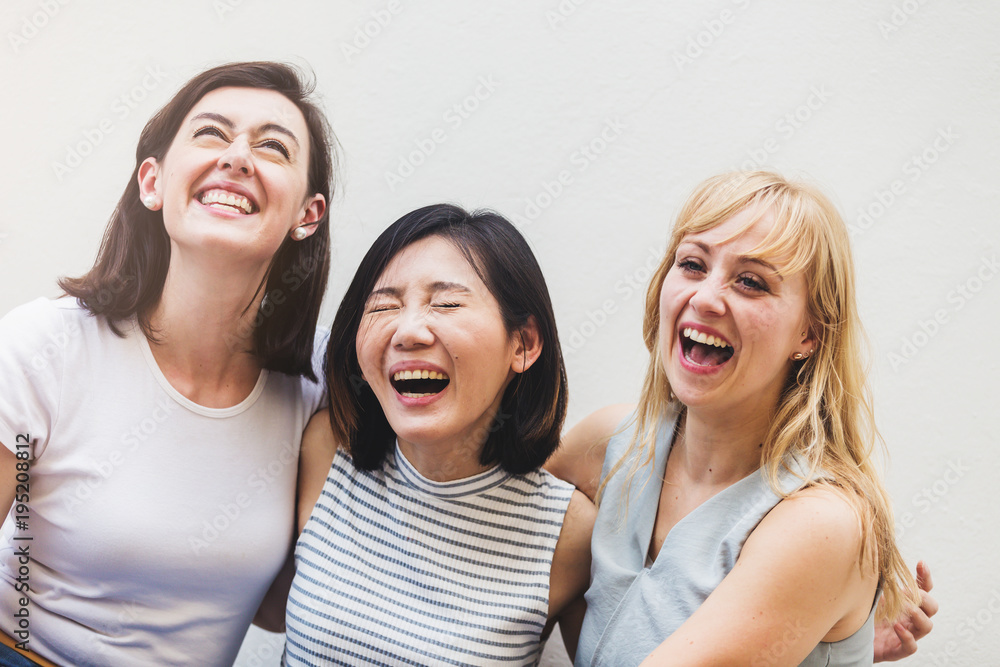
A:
[395,569]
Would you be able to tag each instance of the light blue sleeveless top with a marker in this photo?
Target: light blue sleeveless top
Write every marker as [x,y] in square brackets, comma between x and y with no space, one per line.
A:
[632,608]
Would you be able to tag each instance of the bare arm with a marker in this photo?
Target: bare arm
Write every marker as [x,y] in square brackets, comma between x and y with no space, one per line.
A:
[315,457]
[570,575]
[796,583]
[581,452]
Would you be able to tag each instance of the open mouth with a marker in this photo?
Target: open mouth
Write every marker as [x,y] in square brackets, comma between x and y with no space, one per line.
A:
[419,383]
[225,200]
[702,349]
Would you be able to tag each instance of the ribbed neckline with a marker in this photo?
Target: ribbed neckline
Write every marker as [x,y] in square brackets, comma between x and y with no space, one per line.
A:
[184,401]
[456,488]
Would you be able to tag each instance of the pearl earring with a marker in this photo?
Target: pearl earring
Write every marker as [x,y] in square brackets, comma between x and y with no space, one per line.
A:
[149,201]
[299,233]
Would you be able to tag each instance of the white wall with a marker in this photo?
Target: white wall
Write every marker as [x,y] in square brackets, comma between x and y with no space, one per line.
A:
[891,106]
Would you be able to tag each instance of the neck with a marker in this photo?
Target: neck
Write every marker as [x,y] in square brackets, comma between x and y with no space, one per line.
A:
[719,449]
[205,338]
[444,462]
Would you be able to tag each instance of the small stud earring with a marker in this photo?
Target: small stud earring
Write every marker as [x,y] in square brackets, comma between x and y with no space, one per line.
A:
[149,201]
[299,233]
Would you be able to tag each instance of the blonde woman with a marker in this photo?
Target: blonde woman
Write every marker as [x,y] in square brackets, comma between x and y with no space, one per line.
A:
[742,519]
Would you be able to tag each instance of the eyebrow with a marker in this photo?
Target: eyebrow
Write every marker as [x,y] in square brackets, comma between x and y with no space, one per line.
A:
[266,127]
[437,286]
[742,258]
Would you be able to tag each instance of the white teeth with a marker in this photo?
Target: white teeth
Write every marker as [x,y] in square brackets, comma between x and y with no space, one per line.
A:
[419,375]
[227,199]
[410,394]
[702,337]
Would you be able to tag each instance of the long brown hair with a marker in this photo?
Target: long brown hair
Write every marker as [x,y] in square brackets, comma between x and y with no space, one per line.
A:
[131,267]
[825,416]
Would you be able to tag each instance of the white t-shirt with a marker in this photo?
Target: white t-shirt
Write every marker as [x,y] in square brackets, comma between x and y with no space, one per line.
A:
[156,524]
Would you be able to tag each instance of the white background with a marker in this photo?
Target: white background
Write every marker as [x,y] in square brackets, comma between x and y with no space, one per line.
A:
[863,98]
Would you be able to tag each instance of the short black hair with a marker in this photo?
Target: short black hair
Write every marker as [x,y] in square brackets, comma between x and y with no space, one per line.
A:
[533,407]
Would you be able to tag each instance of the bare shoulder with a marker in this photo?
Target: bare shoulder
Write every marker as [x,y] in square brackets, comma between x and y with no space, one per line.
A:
[580,456]
[315,458]
[816,516]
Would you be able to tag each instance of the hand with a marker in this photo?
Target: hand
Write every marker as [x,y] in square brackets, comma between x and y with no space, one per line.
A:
[897,639]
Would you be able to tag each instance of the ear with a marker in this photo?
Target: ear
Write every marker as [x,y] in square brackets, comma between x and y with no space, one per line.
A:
[149,172]
[807,344]
[312,211]
[527,346]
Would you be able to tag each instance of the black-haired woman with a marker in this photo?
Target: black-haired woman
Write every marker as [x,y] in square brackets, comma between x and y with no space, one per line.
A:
[434,537]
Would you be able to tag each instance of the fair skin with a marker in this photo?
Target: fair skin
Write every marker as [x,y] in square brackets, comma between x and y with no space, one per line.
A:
[251,144]
[430,311]
[730,385]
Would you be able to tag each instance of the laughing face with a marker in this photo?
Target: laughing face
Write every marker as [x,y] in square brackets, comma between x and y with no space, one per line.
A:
[731,321]
[433,347]
[235,176]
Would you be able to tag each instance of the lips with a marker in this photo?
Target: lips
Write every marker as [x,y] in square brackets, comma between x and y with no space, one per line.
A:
[704,349]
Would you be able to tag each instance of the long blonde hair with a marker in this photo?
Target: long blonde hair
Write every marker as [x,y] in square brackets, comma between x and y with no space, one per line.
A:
[825,415]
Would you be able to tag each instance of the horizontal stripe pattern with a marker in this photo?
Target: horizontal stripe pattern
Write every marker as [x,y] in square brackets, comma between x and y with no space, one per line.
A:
[395,569]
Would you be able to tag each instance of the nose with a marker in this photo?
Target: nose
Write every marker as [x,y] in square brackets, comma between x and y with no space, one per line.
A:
[237,157]
[412,330]
[709,297]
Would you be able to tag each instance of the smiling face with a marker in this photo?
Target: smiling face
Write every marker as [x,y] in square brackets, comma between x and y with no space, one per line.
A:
[729,321]
[235,176]
[433,347]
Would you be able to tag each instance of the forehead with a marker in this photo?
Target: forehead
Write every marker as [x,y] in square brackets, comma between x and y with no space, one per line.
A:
[251,107]
[745,229]
[431,259]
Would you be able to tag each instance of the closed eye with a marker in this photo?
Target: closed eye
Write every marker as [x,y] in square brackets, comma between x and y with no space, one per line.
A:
[382,308]
[210,130]
[447,305]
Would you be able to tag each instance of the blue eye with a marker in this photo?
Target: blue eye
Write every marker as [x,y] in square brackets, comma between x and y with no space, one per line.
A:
[752,283]
[690,265]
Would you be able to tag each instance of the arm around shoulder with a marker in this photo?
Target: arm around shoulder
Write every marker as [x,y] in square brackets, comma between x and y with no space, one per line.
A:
[315,458]
[570,574]
[797,582]
[580,456]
